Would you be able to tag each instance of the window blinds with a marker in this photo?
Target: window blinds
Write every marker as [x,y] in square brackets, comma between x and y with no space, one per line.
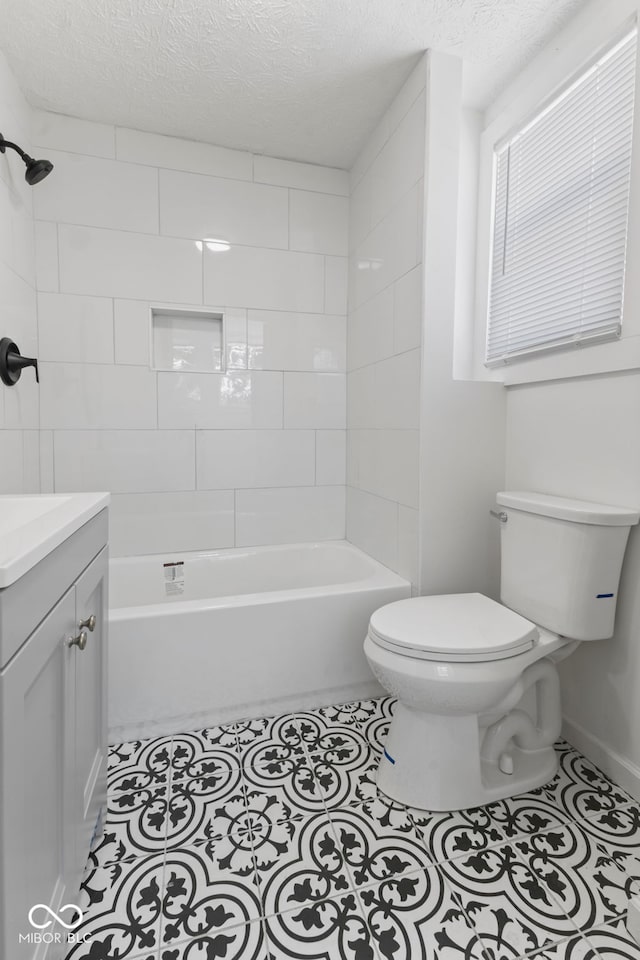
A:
[561,196]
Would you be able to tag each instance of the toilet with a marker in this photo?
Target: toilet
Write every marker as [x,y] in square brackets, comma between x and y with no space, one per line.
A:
[476,681]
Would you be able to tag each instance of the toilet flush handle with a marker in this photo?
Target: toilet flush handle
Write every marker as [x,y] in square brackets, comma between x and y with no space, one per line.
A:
[499,515]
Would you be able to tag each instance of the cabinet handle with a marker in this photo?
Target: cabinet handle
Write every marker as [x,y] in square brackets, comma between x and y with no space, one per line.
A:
[80,641]
[90,622]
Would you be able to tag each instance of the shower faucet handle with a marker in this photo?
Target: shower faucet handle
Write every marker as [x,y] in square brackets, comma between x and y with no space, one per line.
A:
[12,363]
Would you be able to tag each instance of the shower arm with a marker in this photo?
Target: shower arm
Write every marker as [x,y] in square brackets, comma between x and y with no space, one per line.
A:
[14,146]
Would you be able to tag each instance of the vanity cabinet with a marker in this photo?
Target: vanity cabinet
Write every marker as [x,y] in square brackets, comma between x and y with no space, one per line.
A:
[53,751]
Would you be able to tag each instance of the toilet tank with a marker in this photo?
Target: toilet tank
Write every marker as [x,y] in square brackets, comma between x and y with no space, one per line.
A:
[561,561]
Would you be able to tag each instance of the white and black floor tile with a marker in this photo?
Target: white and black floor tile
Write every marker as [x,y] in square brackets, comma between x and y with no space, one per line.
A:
[372,852]
[580,874]
[207,891]
[416,916]
[268,839]
[512,910]
[135,825]
[122,906]
[335,929]
[302,863]
[451,835]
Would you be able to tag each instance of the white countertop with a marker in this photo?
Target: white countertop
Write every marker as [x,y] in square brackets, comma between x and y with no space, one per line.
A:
[31,526]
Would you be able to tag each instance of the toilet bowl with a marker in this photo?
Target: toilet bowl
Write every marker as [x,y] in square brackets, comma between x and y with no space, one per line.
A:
[476,681]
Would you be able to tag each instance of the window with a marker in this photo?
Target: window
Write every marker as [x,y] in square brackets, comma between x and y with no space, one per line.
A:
[560,204]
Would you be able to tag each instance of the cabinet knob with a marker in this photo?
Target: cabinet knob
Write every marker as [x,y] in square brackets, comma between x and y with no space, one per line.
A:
[80,641]
[90,622]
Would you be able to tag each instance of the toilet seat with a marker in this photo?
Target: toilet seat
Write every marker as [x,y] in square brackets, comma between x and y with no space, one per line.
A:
[460,628]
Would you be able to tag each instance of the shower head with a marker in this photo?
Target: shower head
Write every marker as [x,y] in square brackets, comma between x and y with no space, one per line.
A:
[36,170]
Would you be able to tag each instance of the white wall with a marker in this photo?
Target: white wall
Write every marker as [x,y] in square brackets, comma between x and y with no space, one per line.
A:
[19,449]
[462,422]
[385,329]
[252,455]
[579,438]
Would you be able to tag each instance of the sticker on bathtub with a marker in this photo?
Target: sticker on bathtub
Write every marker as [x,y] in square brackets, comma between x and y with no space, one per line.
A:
[173,578]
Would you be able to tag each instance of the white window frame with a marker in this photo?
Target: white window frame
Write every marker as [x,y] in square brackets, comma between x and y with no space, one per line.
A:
[579,45]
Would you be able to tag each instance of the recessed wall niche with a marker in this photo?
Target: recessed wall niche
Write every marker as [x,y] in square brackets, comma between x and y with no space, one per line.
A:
[185,340]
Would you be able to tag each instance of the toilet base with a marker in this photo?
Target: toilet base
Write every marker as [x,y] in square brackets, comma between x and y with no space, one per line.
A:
[433,762]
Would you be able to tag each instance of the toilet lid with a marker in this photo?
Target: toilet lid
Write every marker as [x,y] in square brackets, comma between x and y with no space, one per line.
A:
[466,627]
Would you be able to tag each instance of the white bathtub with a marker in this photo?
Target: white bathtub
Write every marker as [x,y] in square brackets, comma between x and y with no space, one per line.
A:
[239,633]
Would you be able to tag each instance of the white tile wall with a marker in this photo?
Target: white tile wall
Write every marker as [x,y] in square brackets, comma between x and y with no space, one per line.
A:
[331,453]
[315,400]
[295,341]
[318,223]
[288,516]
[75,329]
[46,251]
[124,461]
[336,281]
[254,454]
[304,176]
[176,154]
[98,193]
[195,206]
[116,263]
[53,131]
[19,406]
[265,279]
[232,459]
[384,335]
[216,401]
[191,520]
[103,396]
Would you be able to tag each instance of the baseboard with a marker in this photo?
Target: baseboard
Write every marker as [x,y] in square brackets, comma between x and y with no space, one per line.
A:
[172,726]
[621,770]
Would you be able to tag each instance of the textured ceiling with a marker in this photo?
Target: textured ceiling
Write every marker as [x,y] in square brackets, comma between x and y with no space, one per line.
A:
[302,79]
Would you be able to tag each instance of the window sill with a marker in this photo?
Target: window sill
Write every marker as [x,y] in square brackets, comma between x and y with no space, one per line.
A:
[583,361]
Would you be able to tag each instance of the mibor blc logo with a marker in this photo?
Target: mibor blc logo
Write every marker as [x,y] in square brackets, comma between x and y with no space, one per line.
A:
[41,917]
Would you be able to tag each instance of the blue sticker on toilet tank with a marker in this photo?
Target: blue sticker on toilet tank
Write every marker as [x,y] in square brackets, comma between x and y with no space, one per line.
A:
[389,757]
[603,596]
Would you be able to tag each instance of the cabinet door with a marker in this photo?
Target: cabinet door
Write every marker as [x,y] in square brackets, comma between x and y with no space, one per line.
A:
[90,776]
[36,764]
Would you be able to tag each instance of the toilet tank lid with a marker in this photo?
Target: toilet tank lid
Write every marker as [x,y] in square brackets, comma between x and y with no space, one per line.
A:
[576,511]
[465,626]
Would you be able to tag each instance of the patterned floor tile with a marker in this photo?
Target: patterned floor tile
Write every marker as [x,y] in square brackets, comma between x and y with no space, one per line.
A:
[346,779]
[122,911]
[291,782]
[245,942]
[135,826]
[583,789]
[270,739]
[376,726]
[203,752]
[614,941]
[373,851]
[206,807]
[323,736]
[579,873]
[356,712]
[512,911]
[416,917]
[139,765]
[576,948]
[457,834]
[302,863]
[618,832]
[278,844]
[334,929]
[207,889]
